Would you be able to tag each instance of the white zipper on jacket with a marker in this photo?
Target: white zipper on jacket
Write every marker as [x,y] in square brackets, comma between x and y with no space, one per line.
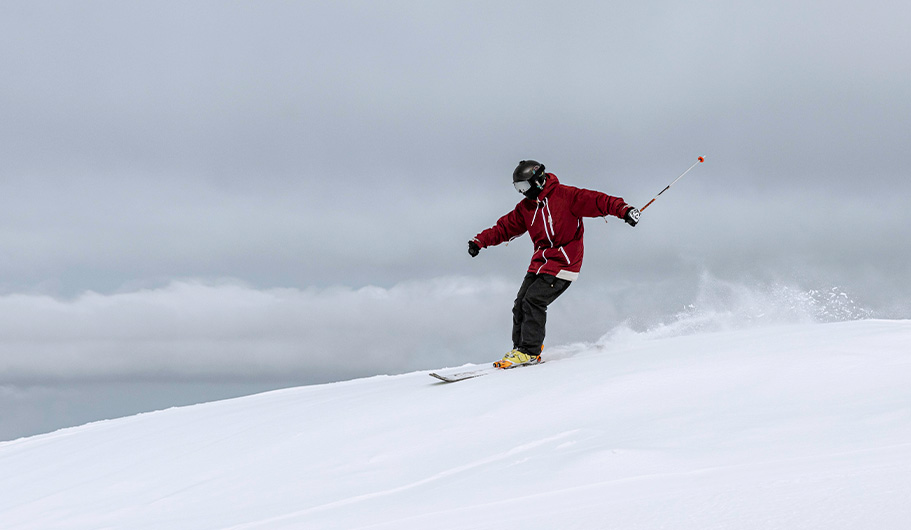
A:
[544,210]
[547,207]
[548,217]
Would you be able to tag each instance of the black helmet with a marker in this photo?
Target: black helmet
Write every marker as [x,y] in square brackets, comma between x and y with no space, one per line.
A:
[528,178]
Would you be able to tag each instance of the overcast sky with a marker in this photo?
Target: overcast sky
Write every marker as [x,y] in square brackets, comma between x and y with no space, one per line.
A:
[206,198]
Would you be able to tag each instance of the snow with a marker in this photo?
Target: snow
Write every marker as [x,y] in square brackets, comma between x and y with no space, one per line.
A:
[788,426]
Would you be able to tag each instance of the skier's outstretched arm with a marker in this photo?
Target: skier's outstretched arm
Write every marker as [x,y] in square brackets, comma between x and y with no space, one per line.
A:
[590,203]
[508,227]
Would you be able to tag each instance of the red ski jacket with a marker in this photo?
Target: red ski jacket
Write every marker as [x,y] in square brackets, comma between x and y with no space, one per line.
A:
[554,222]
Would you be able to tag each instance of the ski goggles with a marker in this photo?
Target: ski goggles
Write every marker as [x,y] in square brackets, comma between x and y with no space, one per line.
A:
[522,186]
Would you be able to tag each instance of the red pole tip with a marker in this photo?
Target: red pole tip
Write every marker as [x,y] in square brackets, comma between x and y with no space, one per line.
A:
[702,159]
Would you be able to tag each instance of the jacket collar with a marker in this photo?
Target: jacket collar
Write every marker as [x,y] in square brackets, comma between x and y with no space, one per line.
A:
[551,183]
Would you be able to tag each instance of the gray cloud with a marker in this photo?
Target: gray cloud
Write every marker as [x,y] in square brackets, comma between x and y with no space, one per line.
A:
[230,331]
[191,330]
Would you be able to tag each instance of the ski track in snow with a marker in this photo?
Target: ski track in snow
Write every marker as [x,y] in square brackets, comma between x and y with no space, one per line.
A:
[438,476]
[802,426]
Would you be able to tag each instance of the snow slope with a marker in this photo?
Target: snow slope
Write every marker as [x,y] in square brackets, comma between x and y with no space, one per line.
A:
[800,426]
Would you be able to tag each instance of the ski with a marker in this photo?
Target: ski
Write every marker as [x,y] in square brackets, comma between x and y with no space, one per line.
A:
[471,374]
[461,376]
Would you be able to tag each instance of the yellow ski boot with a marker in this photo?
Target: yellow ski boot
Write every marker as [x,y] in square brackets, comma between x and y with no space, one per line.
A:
[517,358]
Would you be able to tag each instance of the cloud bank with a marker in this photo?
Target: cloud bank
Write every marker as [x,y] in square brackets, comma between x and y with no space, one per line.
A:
[229,331]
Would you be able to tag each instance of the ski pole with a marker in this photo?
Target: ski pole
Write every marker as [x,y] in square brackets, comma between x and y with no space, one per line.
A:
[699,160]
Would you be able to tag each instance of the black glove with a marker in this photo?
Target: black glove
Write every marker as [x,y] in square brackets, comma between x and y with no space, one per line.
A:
[473,248]
[631,216]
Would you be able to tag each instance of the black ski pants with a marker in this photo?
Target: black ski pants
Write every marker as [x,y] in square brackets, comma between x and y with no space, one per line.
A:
[529,313]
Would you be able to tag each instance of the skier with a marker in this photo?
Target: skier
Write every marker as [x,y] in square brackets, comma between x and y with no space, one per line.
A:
[552,214]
